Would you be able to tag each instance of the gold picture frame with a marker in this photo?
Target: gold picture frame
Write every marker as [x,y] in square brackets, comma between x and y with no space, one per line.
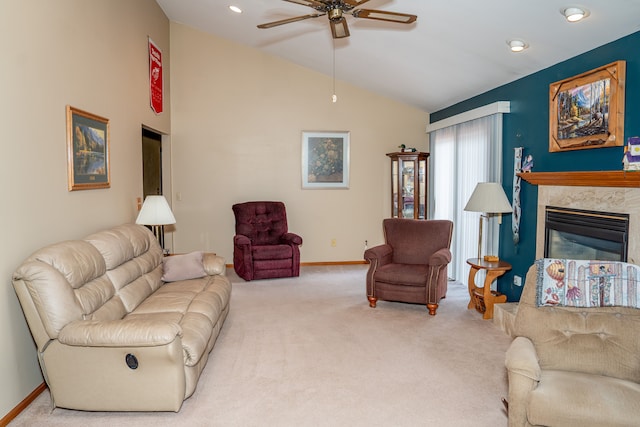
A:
[88,164]
[587,111]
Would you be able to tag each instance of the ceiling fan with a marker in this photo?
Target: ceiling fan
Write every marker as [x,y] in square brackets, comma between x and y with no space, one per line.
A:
[335,10]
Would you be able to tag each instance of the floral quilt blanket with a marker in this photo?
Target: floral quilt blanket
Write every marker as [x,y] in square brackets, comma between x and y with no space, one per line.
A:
[583,283]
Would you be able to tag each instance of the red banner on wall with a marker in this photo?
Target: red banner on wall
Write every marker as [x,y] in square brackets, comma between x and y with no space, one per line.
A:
[155,77]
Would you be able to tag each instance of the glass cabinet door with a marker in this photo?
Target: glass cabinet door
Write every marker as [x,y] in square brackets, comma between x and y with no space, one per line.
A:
[408,190]
[422,190]
[394,188]
[408,184]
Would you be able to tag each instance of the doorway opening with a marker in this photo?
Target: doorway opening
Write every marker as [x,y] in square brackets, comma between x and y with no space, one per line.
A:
[152,174]
[151,163]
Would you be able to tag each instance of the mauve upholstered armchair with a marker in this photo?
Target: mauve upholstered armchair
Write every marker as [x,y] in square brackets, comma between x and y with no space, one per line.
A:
[412,264]
[263,248]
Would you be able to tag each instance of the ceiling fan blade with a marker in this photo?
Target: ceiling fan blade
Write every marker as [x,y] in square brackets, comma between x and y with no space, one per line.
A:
[289,20]
[382,15]
[311,3]
[355,3]
[339,28]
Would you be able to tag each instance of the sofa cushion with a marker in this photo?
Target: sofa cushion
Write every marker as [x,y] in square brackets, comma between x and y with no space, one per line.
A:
[272,252]
[262,222]
[403,274]
[183,267]
[196,305]
[594,400]
[66,281]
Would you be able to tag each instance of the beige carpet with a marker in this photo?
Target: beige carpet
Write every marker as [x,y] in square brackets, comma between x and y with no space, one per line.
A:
[309,351]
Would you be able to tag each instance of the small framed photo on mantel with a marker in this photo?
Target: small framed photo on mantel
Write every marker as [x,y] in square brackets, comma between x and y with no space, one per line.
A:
[325,160]
[87,150]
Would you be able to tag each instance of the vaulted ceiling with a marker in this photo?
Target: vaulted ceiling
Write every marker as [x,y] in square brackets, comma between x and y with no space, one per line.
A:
[455,50]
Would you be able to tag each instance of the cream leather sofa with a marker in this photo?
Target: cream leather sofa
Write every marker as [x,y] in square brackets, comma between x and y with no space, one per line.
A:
[111,335]
[572,366]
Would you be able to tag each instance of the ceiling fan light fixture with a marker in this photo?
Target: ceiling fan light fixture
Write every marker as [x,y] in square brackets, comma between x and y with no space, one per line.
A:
[339,28]
[517,45]
[335,14]
[574,14]
[235,9]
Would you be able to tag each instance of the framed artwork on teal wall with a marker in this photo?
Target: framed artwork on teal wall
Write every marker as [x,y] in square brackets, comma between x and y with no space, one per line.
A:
[587,110]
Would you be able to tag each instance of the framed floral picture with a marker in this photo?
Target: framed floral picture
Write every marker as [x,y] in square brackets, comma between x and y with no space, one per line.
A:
[325,159]
[87,150]
[587,110]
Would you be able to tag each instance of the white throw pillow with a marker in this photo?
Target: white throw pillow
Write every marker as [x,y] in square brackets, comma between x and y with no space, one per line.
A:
[183,267]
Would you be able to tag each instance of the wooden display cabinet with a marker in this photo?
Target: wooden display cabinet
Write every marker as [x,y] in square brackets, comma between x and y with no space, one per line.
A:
[409,184]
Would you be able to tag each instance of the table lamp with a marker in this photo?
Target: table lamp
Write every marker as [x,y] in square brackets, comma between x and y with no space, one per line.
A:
[488,198]
[156,213]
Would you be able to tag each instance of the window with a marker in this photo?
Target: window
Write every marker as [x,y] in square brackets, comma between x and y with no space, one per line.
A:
[463,154]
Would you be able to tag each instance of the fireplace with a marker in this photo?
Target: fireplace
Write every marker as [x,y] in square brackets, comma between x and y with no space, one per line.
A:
[585,234]
[611,191]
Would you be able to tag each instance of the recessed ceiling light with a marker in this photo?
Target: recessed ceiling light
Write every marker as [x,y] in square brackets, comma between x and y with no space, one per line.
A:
[574,14]
[517,45]
[235,9]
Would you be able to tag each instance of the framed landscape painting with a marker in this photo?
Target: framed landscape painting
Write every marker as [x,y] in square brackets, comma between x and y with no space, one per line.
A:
[87,150]
[325,159]
[587,111]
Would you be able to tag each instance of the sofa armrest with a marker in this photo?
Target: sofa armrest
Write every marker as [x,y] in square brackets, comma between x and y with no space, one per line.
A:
[522,359]
[524,373]
[213,264]
[241,240]
[381,253]
[291,238]
[440,257]
[138,332]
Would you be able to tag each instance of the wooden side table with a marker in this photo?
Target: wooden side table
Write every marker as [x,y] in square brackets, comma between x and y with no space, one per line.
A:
[483,298]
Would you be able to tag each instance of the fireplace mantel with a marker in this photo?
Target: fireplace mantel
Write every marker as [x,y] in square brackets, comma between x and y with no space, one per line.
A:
[584,179]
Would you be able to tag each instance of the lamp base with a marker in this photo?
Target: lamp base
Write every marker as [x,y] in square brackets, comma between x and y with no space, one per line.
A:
[158,231]
[491,258]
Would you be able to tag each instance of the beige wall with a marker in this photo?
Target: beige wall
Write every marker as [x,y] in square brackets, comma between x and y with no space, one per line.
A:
[235,129]
[93,56]
[237,122]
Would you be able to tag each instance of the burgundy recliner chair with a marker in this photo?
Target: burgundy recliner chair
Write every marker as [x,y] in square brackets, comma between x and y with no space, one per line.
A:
[263,248]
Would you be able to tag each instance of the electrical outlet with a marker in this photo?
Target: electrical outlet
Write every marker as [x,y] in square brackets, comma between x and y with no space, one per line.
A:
[334,243]
[517,280]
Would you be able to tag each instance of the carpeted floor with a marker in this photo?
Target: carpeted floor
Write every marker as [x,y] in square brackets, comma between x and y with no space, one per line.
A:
[309,351]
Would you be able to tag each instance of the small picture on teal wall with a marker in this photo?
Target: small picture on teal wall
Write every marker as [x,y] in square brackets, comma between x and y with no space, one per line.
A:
[587,111]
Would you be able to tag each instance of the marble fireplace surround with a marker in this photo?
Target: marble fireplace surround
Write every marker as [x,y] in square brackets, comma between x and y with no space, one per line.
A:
[605,191]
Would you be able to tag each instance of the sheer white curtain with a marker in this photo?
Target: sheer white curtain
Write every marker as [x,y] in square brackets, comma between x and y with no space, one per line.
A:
[461,156]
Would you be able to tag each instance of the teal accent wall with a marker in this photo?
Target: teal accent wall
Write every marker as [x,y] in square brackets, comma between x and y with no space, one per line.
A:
[528,126]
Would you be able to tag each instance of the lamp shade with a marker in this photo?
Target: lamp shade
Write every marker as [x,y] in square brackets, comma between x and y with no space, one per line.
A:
[488,197]
[155,211]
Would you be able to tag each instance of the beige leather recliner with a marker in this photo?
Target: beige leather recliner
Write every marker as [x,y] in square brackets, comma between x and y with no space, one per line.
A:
[572,366]
[110,334]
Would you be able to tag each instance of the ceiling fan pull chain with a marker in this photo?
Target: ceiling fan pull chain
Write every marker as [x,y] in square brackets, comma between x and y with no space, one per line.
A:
[334,97]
